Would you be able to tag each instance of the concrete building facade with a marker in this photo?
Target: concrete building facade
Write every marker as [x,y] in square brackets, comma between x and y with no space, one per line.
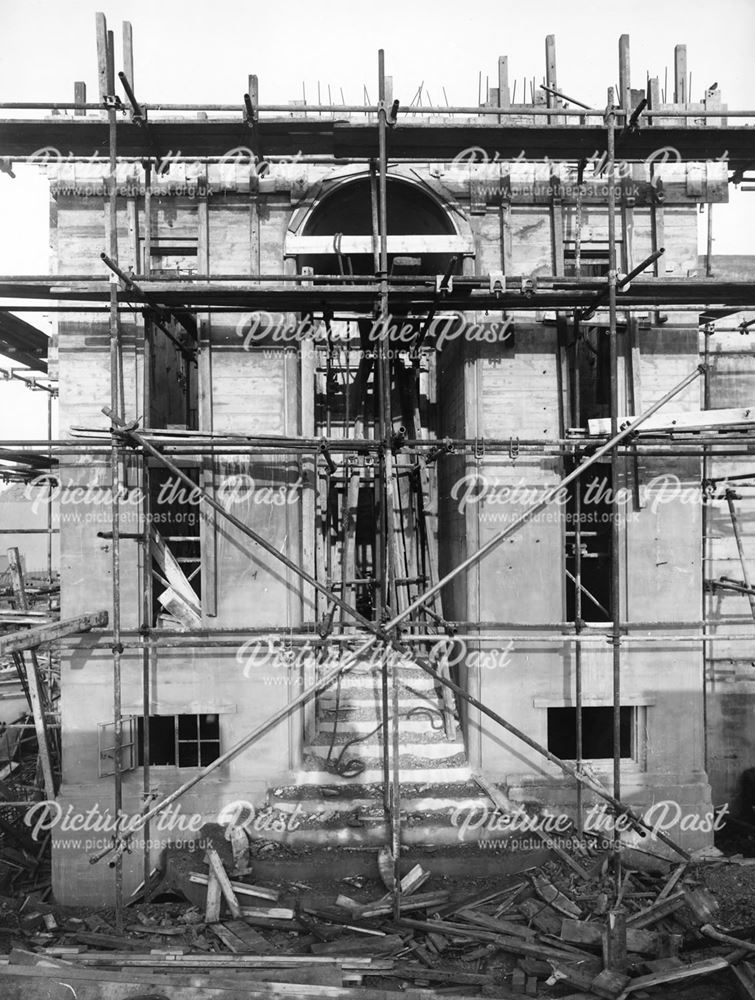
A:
[478,376]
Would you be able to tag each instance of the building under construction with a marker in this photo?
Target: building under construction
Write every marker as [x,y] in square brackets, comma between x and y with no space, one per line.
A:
[404,464]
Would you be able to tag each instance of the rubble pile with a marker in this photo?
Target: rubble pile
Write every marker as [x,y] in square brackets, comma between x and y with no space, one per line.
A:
[567,928]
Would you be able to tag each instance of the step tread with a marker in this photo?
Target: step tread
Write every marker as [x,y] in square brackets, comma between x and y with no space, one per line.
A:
[431,772]
[458,789]
[430,737]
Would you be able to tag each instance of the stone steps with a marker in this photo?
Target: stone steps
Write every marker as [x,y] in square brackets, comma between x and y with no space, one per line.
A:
[320,806]
[451,814]
[430,833]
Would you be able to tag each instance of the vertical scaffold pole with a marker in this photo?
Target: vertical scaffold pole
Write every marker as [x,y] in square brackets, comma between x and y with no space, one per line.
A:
[615,477]
[384,383]
[146,609]
[117,407]
[577,536]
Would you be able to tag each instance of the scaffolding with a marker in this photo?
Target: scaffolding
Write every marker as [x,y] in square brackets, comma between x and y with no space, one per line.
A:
[404,608]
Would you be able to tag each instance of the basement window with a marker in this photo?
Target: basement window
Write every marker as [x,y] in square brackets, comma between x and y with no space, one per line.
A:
[597,733]
[180,740]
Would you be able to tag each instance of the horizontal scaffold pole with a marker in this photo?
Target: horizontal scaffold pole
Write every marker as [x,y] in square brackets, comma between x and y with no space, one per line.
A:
[30,638]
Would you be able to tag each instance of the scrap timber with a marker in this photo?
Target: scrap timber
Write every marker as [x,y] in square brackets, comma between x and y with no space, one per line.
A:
[39,635]
[541,931]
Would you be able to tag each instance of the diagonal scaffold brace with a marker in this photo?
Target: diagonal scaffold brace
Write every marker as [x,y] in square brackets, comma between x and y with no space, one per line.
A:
[382,633]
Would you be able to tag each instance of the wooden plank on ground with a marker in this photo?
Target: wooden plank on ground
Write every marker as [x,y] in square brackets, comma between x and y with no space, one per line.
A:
[702,968]
[657,910]
[358,945]
[590,933]
[36,983]
[240,888]
[228,938]
[214,896]
[251,942]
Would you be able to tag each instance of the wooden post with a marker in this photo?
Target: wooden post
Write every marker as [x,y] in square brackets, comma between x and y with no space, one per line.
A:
[388,92]
[557,225]
[102,56]
[254,212]
[624,76]
[348,555]
[635,385]
[111,63]
[37,702]
[507,248]
[550,72]
[627,232]
[654,98]
[128,52]
[680,74]
[504,95]
[253,89]
[80,96]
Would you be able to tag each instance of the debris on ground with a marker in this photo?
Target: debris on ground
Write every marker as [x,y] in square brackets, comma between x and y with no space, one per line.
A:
[558,929]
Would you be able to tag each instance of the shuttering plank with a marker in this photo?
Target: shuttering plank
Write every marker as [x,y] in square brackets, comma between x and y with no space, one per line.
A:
[700,421]
[216,866]
[396,244]
[34,690]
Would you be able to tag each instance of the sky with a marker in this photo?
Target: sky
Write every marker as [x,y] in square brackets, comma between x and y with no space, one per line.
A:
[198,52]
[203,52]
